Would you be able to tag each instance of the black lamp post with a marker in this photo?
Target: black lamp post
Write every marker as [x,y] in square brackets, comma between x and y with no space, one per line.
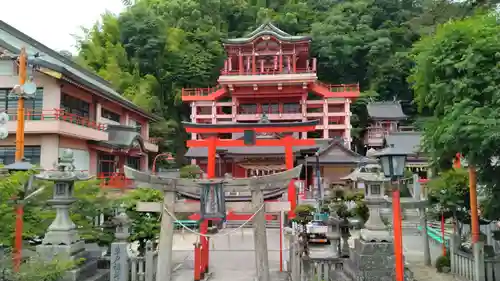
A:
[393,162]
[318,178]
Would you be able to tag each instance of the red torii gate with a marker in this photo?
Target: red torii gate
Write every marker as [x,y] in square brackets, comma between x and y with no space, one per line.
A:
[211,142]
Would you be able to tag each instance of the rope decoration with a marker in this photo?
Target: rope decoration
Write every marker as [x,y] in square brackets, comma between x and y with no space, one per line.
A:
[212,235]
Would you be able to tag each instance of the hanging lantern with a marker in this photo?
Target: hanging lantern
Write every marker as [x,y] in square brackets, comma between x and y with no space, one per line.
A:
[212,201]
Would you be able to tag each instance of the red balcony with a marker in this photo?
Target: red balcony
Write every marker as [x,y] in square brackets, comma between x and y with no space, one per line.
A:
[202,94]
[115,181]
[57,115]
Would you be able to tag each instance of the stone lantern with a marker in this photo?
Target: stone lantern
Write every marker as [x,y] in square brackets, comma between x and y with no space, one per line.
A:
[61,240]
[62,231]
[374,251]
[372,178]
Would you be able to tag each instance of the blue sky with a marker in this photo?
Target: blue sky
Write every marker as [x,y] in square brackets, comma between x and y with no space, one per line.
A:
[54,22]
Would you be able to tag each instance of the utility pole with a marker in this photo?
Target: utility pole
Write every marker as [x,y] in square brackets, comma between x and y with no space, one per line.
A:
[20,108]
[18,243]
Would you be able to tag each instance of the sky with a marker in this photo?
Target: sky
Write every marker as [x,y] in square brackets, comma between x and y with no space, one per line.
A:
[54,22]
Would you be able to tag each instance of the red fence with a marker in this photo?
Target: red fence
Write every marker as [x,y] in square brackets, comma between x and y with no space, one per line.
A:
[57,114]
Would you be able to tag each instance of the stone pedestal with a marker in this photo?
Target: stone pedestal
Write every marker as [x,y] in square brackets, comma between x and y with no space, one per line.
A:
[373,261]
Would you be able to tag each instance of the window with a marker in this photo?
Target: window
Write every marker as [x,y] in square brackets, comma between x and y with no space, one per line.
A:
[33,105]
[75,106]
[8,154]
[248,108]
[270,108]
[134,163]
[110,115]
[375,189]
[106,164]
[135,124]
[291,108]
[6,68]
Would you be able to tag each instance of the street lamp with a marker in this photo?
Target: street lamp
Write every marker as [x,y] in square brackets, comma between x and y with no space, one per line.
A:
[393,162]
[169,157]
[318,178]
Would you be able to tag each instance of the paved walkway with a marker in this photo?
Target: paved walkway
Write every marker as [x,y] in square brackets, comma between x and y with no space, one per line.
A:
[231,258]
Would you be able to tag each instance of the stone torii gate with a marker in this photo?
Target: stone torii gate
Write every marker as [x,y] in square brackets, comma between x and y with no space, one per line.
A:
[260,188]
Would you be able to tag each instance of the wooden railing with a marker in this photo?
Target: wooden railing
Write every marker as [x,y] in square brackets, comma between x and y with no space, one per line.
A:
[196,92]
[57,114]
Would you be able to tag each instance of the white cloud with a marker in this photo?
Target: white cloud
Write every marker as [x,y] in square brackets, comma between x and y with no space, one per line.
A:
[53,22]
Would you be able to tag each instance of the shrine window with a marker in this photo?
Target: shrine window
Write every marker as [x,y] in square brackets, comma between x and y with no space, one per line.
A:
[271,108]
[134,162]
[291,108]
[110,115]
[248,109]
[75,106]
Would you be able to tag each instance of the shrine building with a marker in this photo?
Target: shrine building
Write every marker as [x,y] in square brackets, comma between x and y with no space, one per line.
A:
[268,76]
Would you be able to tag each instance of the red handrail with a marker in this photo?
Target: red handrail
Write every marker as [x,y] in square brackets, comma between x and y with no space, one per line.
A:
[57,114]
[199,91]
[115,180]
[339,88]
[267,72]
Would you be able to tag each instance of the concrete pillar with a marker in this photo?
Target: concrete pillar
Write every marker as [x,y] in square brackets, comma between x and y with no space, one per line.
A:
[425,237]
[478,251]
[164,267]
[260,239]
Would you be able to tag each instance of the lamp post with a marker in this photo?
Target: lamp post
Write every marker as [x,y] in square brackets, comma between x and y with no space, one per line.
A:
[393,162]
[318,178]
[170,159]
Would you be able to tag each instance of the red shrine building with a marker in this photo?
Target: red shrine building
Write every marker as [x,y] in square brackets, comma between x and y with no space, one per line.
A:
[268,76]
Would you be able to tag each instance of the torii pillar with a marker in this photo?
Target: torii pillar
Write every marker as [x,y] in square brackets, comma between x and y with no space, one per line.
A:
[211,131]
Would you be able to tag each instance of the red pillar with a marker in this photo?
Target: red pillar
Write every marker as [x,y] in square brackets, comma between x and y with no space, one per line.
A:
[289,159]
[211,163]
[253,64]
[19,237]
[240,64]
[398,238]
[197,261]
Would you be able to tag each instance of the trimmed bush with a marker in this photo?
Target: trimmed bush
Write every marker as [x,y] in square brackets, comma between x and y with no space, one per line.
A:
[441,262]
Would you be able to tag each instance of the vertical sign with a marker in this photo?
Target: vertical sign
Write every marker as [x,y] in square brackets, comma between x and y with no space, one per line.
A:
[119,262]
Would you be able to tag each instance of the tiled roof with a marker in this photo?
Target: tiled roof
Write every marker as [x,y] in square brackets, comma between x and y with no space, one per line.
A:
[337,153]
[385,110]
[267,29]
[13,40]
[408,142]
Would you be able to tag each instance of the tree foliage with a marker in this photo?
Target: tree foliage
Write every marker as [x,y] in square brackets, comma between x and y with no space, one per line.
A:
[156,47]
[456,77]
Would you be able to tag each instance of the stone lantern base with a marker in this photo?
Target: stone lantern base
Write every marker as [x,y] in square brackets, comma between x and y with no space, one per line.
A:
[372,261]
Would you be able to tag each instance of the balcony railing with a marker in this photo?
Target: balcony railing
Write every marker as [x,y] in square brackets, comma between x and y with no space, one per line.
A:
[340,88]
[57,114]
[267,71]
[197,92]
[115,180]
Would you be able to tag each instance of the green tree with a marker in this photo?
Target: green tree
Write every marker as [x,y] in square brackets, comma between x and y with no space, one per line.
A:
[450,193]
[456,78]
